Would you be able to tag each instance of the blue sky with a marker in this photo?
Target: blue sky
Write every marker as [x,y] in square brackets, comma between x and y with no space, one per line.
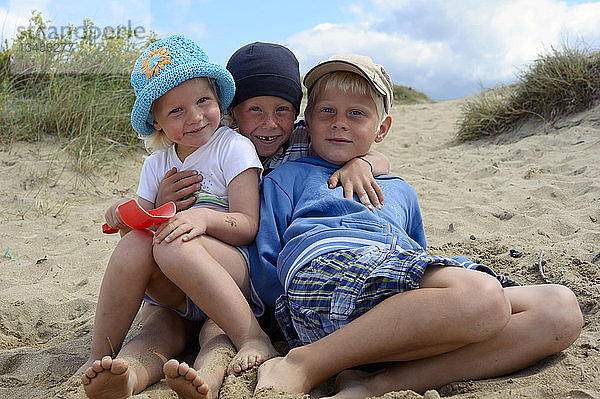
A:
[448,49]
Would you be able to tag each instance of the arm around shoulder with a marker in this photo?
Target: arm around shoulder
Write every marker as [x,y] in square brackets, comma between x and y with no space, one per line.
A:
[379,162]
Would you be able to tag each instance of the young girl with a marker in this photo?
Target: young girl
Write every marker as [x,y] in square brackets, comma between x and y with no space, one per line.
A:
[195,264]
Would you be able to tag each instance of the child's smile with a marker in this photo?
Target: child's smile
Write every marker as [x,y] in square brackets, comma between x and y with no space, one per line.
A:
[188,114]
[197,130]
[268,138]
[267,121]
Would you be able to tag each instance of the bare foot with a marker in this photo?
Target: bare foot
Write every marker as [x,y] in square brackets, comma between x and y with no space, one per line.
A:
[352,384]
[84,367]
[186,381]
[108,379]
[251,354]
[284,376]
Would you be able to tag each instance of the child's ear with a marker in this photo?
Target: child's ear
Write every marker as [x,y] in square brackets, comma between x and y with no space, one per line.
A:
[384,128]
[157,126]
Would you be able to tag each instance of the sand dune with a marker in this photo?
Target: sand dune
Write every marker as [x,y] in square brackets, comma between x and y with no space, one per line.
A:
[536,191]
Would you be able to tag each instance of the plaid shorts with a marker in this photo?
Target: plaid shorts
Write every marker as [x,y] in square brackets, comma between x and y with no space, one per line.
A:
[340,286]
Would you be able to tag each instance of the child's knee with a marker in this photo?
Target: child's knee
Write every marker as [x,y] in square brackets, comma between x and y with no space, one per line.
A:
[171,255]
[480,302]
[558,314]
[133,254]
[499,308]
[166,254]
[136,242]
[489,309]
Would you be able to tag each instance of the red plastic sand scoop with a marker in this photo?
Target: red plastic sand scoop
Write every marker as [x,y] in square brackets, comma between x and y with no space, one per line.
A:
[136,217]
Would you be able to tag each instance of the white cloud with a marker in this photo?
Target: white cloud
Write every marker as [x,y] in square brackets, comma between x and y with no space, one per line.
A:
[324,27]
[447,48]
[10,22]
[17,15]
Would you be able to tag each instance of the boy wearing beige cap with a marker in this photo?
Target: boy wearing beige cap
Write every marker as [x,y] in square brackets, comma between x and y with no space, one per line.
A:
[358,286]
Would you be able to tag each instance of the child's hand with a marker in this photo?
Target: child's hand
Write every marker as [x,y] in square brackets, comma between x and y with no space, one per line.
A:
[113,219]
[356,177]
[175,186]
[188,224]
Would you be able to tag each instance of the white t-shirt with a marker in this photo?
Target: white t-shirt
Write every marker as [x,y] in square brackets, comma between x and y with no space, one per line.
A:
[225,155]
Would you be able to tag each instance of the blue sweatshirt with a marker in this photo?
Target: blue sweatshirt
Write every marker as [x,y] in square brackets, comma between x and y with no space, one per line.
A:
[301,218]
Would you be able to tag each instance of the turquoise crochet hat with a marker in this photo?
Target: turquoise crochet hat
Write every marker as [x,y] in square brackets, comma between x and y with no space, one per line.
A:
[165,64]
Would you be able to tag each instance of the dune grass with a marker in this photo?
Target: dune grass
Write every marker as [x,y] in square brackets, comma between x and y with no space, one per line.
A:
[564,81]
[87,114]
[73,88]
[408,95]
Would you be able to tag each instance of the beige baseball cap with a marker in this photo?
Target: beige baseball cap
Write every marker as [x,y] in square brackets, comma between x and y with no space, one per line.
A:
[362,65]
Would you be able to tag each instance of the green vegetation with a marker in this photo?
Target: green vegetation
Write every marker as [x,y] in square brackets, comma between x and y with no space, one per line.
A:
[564,81]
[408,95]
[72,87]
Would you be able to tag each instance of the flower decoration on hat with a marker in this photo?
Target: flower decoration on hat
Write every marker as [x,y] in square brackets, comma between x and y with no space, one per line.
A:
[155,61]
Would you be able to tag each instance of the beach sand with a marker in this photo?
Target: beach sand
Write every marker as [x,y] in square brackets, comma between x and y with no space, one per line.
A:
[536,191]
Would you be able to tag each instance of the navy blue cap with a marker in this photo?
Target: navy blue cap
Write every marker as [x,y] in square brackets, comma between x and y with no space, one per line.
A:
[265,69]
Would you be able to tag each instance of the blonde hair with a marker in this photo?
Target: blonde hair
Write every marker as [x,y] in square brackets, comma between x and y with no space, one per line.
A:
[158,140]
[347,82]
[229,121]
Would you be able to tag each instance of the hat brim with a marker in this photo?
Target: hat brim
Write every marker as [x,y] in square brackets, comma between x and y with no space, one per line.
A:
[326,67]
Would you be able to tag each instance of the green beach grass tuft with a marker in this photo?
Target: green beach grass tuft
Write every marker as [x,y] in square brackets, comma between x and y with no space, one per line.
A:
[76,90]
[408,95]
[564,81]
